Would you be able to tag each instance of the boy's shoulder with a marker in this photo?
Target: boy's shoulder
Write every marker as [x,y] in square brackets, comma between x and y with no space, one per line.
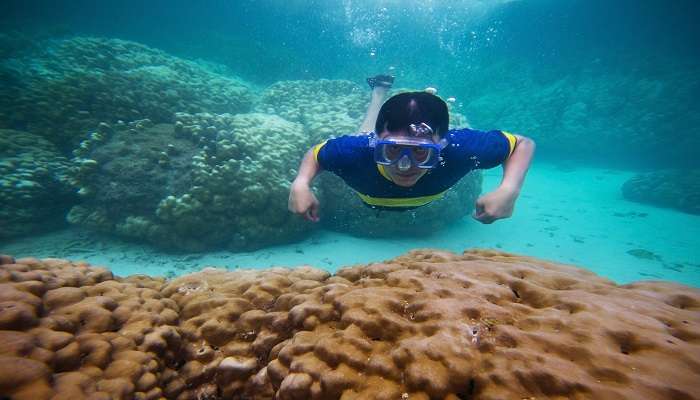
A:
[486,149]
[343,150]
[351,140]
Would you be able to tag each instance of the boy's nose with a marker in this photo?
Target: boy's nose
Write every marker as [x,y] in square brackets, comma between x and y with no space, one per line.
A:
[404,163]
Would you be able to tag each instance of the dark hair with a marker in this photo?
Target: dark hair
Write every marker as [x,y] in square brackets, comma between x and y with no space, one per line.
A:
[405,109]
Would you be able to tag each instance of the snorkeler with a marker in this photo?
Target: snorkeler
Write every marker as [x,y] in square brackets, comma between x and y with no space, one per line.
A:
[406,157]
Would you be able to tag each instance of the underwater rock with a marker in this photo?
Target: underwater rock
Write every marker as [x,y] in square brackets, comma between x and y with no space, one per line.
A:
[425,325]
[679,189]
[35,191]
[222,181]
[59,88]
[325,108]
[586,114]
[209,181]
[14,42]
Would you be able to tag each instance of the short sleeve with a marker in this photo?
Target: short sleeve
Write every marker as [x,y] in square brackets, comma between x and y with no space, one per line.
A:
[339,154]
[483,149]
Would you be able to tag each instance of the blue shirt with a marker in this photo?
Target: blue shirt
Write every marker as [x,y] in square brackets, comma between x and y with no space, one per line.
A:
[352,159]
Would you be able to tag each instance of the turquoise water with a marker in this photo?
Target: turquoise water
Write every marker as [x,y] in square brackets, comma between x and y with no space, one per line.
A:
[589,225]
[608,91]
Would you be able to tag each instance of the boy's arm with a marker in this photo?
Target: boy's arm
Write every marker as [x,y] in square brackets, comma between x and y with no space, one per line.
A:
[499,203]
[302,200]
[336,155]
[309,167]
[516,166]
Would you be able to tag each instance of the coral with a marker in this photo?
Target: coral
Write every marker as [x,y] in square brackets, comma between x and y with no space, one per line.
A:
[35,191]
[62,87]
[121,173]
[587,113]
[426,325]
[14,42]
[679,189]
[324,107]
[207,181]
[71,329]
[221,180]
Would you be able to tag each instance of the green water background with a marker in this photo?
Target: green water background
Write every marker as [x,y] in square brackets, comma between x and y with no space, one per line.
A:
[538,66]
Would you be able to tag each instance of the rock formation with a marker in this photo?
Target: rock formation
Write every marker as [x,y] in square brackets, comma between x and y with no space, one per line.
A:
[678,188]
[426,325]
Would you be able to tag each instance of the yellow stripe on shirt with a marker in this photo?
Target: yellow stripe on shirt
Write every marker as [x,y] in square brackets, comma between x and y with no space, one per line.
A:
[511,141]
[317,148]
[399,202]
[383,173]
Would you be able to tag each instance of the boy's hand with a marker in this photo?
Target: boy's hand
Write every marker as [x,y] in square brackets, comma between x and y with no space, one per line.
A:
[302,201]
[495,205]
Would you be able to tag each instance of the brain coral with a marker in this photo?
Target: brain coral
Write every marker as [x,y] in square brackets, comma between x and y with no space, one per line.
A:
[35,192]
[62,87]
[324,107]
[585,112]
[426,325]
[207,181]
[678,189]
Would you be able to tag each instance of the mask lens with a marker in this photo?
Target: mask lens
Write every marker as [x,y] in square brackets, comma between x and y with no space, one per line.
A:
[420,154]
[392,152]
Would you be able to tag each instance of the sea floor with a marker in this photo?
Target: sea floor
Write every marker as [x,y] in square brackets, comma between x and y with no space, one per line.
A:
[569,215]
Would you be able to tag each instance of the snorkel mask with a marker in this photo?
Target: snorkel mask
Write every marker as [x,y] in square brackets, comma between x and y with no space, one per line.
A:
[408,151]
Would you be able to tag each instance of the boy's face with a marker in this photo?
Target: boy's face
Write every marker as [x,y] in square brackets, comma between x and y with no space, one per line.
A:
[401,176]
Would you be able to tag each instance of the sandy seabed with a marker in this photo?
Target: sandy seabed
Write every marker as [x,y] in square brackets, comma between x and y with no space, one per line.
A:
[568,215]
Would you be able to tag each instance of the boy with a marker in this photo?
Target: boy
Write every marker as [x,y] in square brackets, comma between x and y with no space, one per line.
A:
[411,158]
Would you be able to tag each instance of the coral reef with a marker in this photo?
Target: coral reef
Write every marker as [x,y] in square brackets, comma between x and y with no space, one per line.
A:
[62,87]
[325,108]
[221,180]
[586,112]
[426,325]
[207,181]
[35,192]
[679,189]
[14,42]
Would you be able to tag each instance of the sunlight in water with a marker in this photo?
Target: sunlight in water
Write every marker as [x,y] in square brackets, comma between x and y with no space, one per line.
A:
[456,24]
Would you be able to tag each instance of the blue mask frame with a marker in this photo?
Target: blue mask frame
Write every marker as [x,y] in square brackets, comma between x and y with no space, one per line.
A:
[407,150]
